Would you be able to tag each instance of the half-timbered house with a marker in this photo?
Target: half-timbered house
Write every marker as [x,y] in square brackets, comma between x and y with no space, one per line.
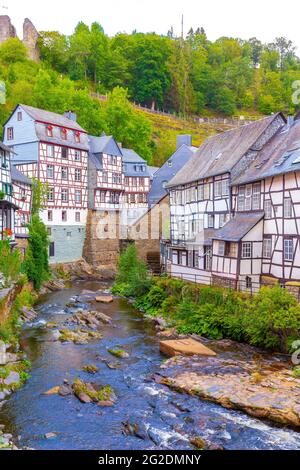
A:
[54,149]
[205,243]
[22,198]
[136,180]
[7,206]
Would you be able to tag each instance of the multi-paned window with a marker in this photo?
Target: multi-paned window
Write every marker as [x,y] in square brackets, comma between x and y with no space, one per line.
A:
[64,195]
[249,197]
[50,171]
[268,208]
[64,173]
[64,153]
[77,174]
[104,177]
[288,249]
[246,250]
[221,188]
[77,216]
[78,196]
[50,151]
[267,247]
[50,194]
[287,208]
[221,248]
[50,216]
[211,221]
[77,156]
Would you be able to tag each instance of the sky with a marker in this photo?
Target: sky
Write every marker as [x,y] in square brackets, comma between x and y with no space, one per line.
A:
[265,19]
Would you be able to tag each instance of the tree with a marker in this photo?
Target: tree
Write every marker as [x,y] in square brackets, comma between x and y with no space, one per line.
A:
[39,196]
[13,50]
[36,259]
[126,124]
[54,49]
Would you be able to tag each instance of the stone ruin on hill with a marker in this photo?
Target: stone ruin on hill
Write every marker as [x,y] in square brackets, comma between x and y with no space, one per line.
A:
[30,35]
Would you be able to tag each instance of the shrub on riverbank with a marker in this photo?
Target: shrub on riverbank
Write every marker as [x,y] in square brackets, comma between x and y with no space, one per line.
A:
[9,329]
[270,319]
[132,279]
[36,261]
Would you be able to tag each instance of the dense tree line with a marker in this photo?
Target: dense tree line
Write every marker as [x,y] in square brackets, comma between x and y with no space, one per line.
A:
[185,75]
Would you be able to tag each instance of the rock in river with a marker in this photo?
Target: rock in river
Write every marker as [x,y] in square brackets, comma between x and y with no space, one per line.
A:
[105,299]
[187,347]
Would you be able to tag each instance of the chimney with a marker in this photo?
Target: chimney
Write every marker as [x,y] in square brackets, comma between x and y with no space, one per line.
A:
[71,115]
[184,139]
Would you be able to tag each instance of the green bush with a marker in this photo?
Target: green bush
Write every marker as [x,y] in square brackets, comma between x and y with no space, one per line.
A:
[10,262]
[133,279]
[36,262]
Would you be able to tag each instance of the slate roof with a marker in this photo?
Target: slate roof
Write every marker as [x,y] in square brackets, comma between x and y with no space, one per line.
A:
[51,118]
[57,140]
[277,157]
[238,227]
[5,148]
[104,144]
[16,175]
[221,152]
[179,158]
[130,156]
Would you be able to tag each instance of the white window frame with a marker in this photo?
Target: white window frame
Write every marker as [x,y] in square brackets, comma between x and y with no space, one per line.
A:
[77,175]
[268,209]
[50,151]
[221,248]
[78,192]
[50,172]
[246,250]
[267,248]
[288,249]
[256,195]
[287,208]
[64,195]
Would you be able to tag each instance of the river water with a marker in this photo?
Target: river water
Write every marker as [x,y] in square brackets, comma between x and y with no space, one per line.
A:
[166,419]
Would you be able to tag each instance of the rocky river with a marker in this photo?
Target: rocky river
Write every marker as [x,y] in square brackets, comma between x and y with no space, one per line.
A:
[144,413]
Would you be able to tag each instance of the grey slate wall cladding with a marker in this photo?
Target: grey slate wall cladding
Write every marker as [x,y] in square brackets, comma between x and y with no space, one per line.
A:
[67,249]
[169,169]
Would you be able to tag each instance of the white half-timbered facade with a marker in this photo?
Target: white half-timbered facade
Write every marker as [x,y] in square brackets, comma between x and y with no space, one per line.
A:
[7,207]
[119,179]
[54,149]
[22,198]
[242,227]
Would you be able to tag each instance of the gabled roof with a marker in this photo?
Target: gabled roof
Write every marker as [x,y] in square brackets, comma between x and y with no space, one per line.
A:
[16,175]
[169,169]
[280,155]
[5,148]
[221,152]
[238,227]
[51,118]
[130,156]
[104,144]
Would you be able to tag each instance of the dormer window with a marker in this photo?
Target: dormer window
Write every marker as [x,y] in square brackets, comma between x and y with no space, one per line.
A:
[49,131]
[77,137]
[63,134]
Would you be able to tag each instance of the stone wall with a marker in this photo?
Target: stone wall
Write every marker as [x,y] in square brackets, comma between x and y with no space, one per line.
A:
[102,244]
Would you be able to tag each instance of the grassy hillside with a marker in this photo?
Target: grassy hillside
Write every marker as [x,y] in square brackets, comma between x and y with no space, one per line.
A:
[166,128]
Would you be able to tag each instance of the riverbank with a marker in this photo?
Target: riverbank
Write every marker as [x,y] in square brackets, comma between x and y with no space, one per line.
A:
[260,382]
[16,309]
[143,413]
